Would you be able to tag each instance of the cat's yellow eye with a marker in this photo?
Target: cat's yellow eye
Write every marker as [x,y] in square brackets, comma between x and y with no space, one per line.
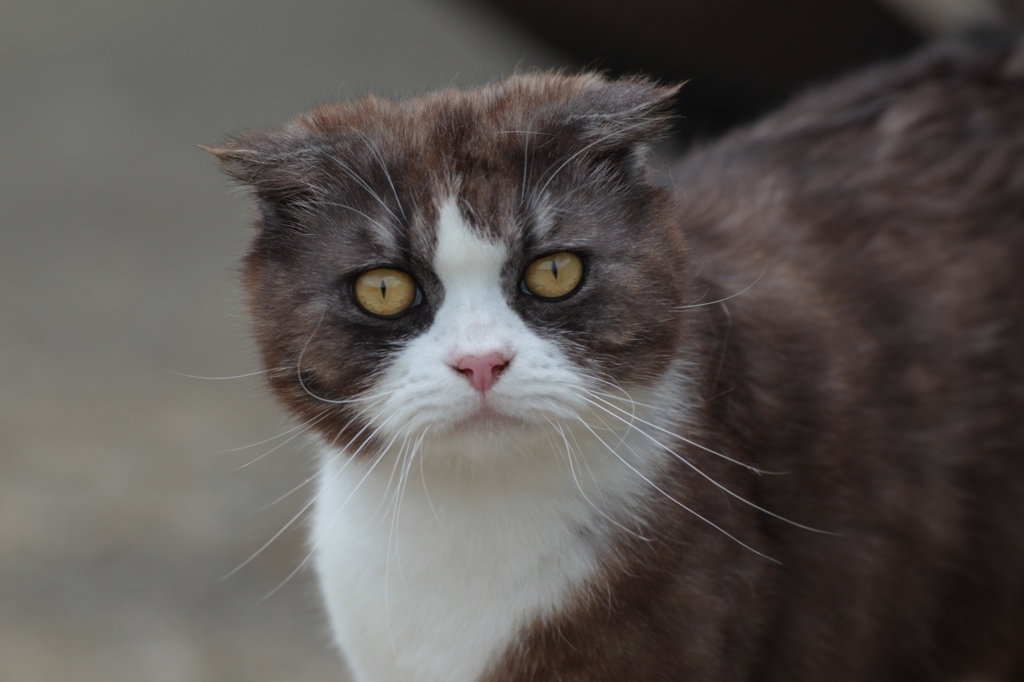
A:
[554,276]
[385,292]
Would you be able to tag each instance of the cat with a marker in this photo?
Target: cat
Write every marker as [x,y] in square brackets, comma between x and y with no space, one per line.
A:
[766,423]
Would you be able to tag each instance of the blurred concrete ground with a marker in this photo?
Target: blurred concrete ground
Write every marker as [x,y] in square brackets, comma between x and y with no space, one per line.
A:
[119,512]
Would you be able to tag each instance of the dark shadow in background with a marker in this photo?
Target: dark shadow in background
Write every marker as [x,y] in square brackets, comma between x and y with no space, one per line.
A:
[741,57]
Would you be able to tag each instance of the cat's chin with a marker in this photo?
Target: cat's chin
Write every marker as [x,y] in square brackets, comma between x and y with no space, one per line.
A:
[489,420]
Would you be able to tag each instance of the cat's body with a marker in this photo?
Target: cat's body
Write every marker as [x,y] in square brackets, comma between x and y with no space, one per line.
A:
[792,450]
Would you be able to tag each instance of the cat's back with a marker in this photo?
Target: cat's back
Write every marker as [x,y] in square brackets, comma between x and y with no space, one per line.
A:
[909,162]
[878,353]
[883,215]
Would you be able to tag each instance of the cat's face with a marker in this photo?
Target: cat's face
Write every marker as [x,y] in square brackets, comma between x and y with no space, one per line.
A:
[465,265]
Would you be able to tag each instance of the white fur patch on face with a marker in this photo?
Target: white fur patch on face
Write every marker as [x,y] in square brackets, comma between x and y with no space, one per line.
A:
[423,387]
[475,316]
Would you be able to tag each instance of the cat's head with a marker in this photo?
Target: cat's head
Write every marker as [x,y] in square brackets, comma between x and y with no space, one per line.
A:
[465,264]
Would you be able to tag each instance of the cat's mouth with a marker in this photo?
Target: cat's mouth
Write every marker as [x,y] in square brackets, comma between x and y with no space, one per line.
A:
[486,417]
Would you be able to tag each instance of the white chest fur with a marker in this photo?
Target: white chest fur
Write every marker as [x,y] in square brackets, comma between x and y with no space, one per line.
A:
[435,587]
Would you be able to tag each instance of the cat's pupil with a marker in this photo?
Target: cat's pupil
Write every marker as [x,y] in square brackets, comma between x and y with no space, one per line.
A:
[383,289]
[554,268]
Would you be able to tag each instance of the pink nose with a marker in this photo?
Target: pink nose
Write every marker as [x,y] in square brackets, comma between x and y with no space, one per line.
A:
[483,370]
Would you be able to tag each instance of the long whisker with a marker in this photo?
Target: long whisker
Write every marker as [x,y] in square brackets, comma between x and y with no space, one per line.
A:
[236,376]
[672,499]
[584,149]
[426,492]
[708,478]
[280,445]
[725,347]
[323,468]
[526,163]
[403,482]
[387,174]
[632,402]
[280,435]
[722,300]
[394,469]
[584,459]
[391,534]
[749,467]
[306,506]
[319,540]
[305,346]
[572,469]
[298,371]
[698,299]
[345,167]
[395,524]
[376,223]
[303,425]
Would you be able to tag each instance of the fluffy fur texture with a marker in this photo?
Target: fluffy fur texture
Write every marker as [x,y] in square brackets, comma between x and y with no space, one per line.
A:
[821,477]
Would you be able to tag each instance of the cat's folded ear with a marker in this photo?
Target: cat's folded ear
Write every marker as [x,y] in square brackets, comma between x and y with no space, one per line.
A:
[612,114]
[610,123]
[279,166]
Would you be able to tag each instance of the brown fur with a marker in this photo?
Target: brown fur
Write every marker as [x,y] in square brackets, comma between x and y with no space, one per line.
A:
[874,368]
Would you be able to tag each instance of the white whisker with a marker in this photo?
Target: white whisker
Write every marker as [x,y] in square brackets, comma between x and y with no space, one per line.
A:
[403,482]
[722,300]
[319,540]
[749,467]
[305,428]
[572,469]
[674,500]
[633,402]
[352,174]
[394,469]
[306,506]
[298,371]
[380,160]
[376,223]
[323,468]
[267,440]
[423,476]
[708,478]
[236,376]
[391,534]
[722,353]
[596,142]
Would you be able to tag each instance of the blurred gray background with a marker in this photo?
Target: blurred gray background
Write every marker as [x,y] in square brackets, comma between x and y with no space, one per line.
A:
[124,496]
